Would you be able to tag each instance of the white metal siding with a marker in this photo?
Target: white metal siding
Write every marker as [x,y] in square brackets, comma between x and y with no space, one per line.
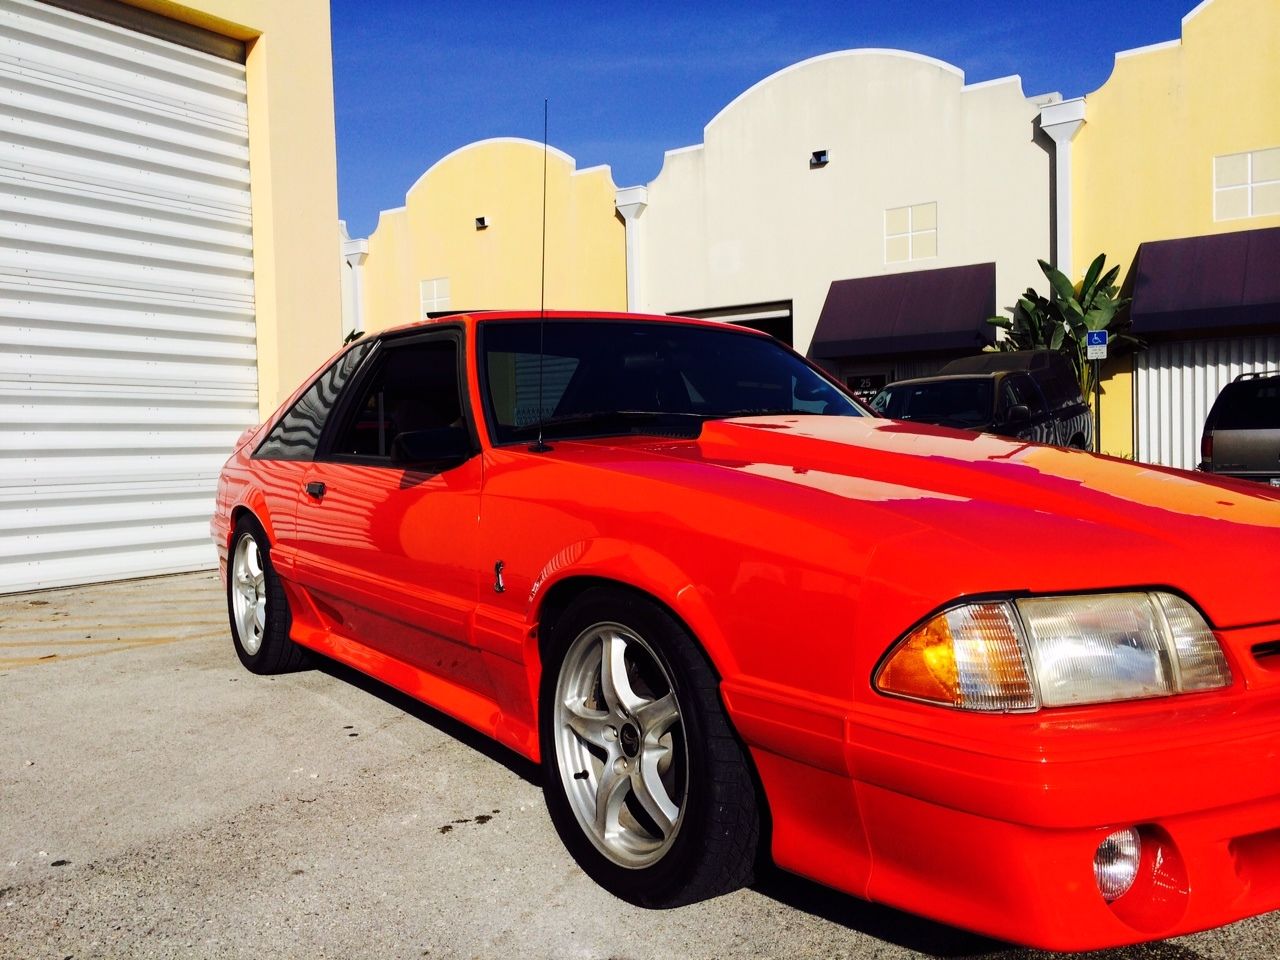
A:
[127,338]
[1176,385]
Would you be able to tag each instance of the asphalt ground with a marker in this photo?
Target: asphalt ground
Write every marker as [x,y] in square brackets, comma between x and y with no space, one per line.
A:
[156,800]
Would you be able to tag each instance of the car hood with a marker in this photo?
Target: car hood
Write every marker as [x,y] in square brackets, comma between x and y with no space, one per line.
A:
[1014,515]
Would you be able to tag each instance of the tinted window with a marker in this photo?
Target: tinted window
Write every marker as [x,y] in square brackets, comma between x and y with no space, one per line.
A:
[1249,405]
[601,367]
[413,387]
[1020,390]
[296,435]
[1059,388]
[960,402]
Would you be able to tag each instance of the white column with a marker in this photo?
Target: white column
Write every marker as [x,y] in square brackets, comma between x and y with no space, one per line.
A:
[1062,121]
[631,202]
[355,252]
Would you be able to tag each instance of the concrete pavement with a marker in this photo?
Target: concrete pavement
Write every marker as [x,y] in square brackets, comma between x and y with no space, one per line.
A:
[156,800]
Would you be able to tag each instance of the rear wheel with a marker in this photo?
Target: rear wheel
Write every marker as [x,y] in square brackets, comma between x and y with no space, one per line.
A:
[646,783]
[257,606]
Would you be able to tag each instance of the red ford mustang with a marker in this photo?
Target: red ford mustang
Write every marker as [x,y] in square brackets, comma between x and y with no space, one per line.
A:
[1029,691]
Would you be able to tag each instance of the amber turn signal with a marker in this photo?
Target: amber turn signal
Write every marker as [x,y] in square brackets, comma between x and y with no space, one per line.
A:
[969,657]
[924,666]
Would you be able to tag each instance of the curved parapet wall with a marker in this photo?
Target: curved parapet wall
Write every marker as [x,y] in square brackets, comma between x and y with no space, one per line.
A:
[749,216]
[1145,160]
[469,237]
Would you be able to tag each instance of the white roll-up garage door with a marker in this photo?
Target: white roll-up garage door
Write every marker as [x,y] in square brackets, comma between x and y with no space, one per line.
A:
[127,340]
[1176,385]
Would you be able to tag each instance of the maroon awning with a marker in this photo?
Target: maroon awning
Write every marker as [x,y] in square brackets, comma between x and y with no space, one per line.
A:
[915,312]
[1207,283]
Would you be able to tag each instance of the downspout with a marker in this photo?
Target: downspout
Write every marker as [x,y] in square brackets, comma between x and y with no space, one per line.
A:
[631,202]
[1062,121]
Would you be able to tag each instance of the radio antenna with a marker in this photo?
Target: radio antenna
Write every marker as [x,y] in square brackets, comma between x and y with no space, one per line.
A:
[539,446]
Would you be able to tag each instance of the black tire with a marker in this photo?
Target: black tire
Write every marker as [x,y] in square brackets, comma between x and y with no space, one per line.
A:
[272,651]
[713,848]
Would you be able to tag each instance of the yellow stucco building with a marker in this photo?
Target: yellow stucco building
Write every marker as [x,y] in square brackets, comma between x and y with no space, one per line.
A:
[469,237]
[1182,141]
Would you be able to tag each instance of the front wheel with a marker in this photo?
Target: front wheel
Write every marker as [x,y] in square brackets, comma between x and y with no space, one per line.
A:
[645,781]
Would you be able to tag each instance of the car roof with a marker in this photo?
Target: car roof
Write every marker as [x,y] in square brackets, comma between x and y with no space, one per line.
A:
[993,361]
[946,378]
[472,317]
[1246,378]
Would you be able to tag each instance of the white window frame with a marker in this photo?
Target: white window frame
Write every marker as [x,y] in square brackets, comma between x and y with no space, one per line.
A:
[1248,186]
[911,233]
[433,295]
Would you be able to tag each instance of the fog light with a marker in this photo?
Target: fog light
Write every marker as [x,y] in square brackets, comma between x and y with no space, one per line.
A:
[1115,865]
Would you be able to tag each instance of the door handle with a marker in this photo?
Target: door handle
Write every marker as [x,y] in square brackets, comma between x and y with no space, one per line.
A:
[315,489]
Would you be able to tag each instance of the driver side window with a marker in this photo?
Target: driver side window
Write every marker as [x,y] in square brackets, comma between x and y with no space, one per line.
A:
[413,389]
[1019,390]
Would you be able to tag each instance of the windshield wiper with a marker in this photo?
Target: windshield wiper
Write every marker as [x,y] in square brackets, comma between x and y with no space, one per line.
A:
[655,422]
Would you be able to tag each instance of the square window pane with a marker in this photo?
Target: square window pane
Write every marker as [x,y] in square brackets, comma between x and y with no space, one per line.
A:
[1232,171]
[1266,165]
[897,249]
[897,221]
[924,216]
[434,294]
[1266,200]
[924,245]
[1231,204]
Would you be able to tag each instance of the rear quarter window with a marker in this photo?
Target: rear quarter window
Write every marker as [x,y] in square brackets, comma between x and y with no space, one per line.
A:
[295,436]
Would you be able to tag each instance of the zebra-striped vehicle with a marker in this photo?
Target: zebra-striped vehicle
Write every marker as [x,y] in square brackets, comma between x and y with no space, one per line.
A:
[1027,394]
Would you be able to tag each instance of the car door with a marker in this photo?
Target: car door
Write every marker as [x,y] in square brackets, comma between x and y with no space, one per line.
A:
[1018,390]
[1061,391]
[284,456]
[387,549]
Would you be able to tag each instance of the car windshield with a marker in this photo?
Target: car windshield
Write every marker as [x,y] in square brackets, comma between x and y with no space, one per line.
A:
[603,377]
[963,401]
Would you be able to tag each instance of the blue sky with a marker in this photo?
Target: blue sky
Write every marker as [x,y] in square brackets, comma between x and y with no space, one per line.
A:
[415,79]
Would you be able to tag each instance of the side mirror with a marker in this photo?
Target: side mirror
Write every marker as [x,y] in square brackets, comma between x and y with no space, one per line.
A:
[441,447]
[1019,415]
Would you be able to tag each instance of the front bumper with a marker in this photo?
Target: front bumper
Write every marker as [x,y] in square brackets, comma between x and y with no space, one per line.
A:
[1014,857]
[991,823]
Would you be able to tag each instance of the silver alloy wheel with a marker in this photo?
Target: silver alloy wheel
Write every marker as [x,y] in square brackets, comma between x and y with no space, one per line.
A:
[248,593]
[620,745]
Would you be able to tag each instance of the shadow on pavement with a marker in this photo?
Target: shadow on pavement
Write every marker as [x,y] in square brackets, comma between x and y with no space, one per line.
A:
[926,936]
[530,772]
[884,923]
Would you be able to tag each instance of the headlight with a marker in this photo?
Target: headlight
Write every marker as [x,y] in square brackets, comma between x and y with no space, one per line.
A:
[1056,651]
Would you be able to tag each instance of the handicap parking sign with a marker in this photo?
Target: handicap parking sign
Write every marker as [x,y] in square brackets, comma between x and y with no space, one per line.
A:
[1096,344]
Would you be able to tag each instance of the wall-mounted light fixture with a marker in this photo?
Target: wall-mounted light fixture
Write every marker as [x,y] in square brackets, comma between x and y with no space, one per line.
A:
[482,223]
[817,159]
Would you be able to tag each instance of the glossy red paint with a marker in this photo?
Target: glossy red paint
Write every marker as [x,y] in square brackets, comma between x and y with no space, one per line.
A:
[798,550]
